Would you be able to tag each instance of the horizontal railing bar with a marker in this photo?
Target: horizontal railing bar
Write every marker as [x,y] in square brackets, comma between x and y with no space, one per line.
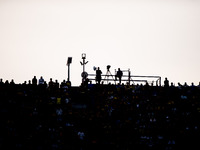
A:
[121,80]
[129,76]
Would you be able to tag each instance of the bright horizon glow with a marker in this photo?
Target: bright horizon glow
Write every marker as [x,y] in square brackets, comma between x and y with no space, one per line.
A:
[158,37]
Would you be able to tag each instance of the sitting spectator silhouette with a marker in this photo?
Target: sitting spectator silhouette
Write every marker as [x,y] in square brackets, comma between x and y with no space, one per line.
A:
[192,84]
[29,81]
[172,84]
[63,84]
[185,84]
[6,83]
[98,75]
[119,75]
[12,83]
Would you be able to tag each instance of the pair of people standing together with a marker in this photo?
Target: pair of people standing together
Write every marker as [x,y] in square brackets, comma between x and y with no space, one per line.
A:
[119,75]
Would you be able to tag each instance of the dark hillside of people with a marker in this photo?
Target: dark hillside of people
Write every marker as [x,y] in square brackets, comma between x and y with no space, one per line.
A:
[53,116]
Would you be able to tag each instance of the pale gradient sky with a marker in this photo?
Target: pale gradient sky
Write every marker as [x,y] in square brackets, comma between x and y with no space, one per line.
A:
[151,37]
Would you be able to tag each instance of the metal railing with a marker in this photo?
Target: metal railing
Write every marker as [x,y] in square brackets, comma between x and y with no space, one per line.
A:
[128,79]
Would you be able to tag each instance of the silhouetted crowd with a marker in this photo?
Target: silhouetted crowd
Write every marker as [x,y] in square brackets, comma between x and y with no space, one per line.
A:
[38,116]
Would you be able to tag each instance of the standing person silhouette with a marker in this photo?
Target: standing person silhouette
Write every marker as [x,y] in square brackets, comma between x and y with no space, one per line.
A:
[166,83]
[34,80]
[119,75]
[41,80]
[98,75]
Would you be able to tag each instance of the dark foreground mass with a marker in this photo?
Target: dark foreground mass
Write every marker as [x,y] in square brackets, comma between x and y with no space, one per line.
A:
[37,117]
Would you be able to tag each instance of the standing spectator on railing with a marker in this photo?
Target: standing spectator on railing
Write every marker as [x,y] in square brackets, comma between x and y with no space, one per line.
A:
[119,75]
[98,75]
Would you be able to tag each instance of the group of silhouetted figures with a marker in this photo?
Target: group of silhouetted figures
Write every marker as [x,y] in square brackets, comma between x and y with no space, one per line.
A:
[118,75]
[39,82]
[38,115]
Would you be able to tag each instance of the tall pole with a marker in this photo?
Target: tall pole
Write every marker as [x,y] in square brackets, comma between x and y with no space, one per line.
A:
[83,65]
[129,76]
[68,72]
[69,61]
[84,74]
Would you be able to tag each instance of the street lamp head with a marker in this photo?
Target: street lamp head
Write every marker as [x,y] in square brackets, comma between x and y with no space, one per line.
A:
[69,60]
[83,56]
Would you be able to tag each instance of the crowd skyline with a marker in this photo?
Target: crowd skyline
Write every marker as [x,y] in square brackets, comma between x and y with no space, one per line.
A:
[42,81]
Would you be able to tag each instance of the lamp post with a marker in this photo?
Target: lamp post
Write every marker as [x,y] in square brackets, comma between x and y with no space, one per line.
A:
[84,74]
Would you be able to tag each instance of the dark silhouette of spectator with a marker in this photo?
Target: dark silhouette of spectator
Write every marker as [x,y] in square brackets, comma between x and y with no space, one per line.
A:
[68,83]
[45,84]
[192,84]
[41,80]
[24,84]
[29,81]
[98,75]
[34,80]
[63,84]
[51,83]
[172,84]
[12,82]
[119,75]
[7,82]
[56,84]
[1,82]
[166,83]
[180,85]
[199,85]
[185,84]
